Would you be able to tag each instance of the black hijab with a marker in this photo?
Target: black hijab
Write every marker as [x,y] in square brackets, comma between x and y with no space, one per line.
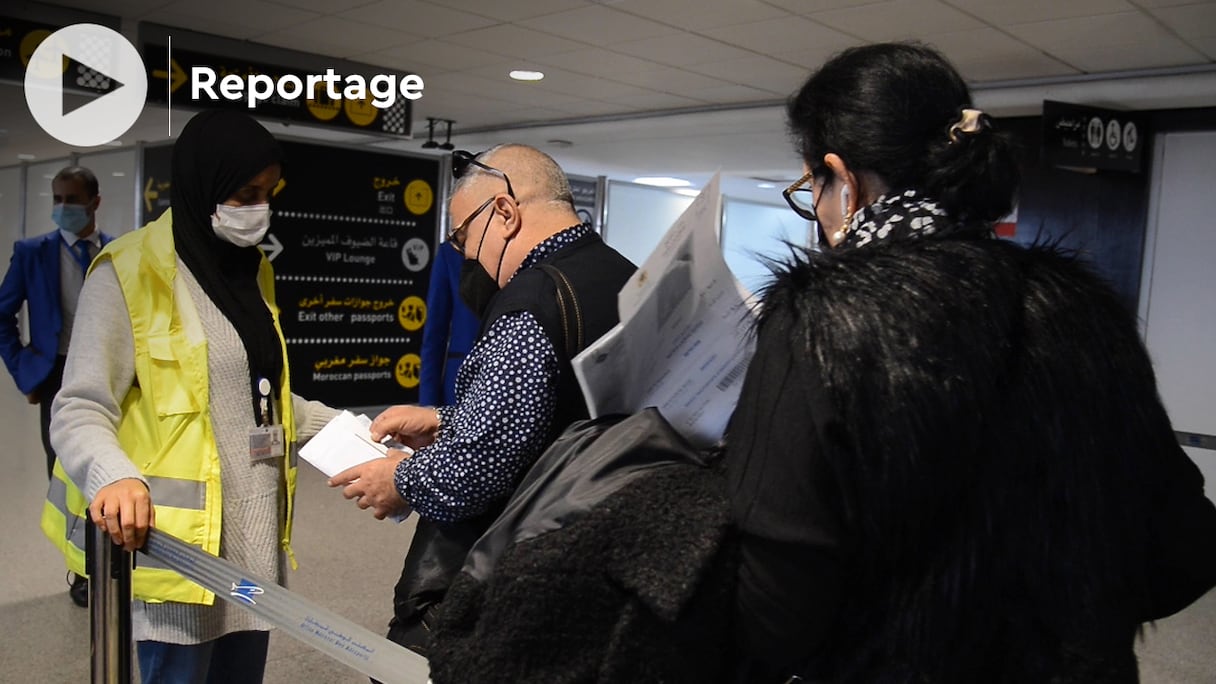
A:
[218,153]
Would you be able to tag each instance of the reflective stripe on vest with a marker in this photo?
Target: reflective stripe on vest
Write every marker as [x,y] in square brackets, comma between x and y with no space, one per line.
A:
[57,496]
[168,491]
[165,491]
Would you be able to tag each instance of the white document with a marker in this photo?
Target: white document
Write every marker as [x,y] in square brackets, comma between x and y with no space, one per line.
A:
[684,340]
[344,442]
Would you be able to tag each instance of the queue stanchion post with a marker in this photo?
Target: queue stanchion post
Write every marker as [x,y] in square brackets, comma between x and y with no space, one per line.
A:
[109,570]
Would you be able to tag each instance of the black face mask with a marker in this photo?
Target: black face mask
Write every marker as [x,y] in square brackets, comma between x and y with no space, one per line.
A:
[477,287]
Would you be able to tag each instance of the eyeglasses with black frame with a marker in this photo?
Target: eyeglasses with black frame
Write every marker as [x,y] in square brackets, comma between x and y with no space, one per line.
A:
[456,235]
[461,163]
[801,195]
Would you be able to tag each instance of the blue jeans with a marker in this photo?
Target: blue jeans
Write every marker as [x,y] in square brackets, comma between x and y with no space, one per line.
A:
[237,658]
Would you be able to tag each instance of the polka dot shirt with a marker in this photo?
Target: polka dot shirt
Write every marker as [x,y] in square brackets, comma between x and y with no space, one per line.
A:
[506,396]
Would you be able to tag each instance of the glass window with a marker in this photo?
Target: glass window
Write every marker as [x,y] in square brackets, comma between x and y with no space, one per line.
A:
[116,181]
[38,196]
[752,232]
[639,216]
[10,209]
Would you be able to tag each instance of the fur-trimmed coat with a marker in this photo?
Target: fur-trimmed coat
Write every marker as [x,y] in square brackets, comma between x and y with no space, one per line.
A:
[950,464]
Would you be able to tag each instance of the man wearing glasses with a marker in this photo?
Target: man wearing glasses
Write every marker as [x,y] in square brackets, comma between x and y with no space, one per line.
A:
[525,249]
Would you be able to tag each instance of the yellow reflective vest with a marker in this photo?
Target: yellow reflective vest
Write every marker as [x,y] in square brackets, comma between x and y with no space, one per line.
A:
[165,427]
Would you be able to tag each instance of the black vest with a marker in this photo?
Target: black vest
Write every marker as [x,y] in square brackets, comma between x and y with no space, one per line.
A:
[596,273]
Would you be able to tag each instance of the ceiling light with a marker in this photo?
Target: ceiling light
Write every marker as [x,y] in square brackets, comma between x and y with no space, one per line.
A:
[765,186]
[687,192]
[524,75]
[662,181]
[118,174]
[26,157]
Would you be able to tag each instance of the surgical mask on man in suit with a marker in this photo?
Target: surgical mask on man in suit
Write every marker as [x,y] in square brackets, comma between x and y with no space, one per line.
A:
[71,217]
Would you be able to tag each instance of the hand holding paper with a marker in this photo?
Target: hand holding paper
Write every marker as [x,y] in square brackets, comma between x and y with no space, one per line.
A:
[344,442]
[373,485]
[413,426]
[347,452]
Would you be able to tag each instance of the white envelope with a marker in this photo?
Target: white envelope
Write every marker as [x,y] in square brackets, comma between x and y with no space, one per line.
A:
[343,443]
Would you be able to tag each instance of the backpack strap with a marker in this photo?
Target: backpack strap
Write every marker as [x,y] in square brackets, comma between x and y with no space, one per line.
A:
[568,307]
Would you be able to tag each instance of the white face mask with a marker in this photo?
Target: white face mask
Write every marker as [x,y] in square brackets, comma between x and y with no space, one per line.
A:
[242,226]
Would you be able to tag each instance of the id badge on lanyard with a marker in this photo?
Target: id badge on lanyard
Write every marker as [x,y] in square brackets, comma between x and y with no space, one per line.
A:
[266,440]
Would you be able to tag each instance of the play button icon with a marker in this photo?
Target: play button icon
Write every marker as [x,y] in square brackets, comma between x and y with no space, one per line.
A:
[92,59]
[105,86]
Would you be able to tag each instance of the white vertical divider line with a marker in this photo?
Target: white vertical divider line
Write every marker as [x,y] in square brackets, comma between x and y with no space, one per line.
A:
[169,83]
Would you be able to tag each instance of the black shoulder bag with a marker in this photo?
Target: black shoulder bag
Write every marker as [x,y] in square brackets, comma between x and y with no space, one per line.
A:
[438,550]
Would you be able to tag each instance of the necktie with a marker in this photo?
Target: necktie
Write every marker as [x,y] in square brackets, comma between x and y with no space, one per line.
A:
[81,251]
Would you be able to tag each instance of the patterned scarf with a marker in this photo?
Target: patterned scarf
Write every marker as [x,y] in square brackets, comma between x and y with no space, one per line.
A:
[898,215]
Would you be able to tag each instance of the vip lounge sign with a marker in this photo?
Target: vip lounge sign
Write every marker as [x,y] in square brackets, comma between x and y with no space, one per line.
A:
[1092,138]
[353,239]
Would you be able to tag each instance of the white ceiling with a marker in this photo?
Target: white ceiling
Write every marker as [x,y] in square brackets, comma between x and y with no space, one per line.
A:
[723,65]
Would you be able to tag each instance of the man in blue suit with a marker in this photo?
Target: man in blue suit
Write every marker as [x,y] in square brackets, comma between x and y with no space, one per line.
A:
[450,331]
[46,272]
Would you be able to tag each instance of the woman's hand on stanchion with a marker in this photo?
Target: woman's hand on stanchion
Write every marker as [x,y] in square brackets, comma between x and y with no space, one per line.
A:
[124,510]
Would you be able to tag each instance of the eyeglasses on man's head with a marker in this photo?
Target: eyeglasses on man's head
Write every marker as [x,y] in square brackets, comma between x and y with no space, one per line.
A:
[463,160]
[462,163]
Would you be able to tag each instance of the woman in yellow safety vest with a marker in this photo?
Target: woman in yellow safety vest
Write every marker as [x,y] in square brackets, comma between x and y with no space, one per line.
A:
[176,411]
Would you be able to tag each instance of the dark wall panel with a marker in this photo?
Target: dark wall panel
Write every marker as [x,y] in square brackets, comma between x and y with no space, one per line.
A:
[1100,215]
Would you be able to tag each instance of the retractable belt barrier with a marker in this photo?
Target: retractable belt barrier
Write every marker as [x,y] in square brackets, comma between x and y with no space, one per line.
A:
[317,627]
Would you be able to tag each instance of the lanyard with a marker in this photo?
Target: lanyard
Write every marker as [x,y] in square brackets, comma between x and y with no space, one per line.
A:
[265,414]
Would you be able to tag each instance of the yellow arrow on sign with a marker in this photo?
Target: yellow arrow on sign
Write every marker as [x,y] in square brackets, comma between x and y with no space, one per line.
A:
[150,194]
[176,75]
[278,187]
